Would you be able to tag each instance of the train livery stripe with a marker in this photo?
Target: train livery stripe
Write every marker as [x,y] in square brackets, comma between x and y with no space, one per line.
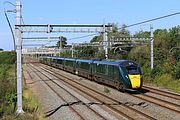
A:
[135,81]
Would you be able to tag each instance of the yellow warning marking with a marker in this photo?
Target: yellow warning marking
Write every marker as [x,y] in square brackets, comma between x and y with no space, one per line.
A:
[135,80]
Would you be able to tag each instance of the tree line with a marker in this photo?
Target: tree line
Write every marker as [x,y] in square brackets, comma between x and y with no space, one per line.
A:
[166,53]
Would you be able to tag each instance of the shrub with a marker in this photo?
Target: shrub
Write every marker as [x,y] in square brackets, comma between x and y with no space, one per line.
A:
[176,71]
[7,57]
[141,55]
[163,80]
[166,80]
[157,71]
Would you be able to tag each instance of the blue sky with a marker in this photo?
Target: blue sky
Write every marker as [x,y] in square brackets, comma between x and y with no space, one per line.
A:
[89,12]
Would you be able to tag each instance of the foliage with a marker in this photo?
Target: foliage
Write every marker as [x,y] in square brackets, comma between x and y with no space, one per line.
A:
[7,83]
[163,80]
[62,42]
[8,97]
[176,71]
[1,49]
[115,34]
[142,34]
[100,54]
[123,32]
[117,54]
[97,39]
[166,80]
[141,54]
[66,54]
[175,52]
[85,52]
[7,90]
[166,58]
[7,57]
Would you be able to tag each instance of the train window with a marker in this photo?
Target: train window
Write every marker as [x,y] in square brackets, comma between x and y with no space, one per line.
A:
[101,69]
[93,68]
[97,68]
[116,71]
[59,61]
[84,65]
[54,60]
[69,63]
[132,70]
[110,70]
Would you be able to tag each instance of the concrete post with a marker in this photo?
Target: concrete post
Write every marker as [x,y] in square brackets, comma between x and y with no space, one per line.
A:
[60,46]
[105,41]
[152,45]
[72,50]
[19,58]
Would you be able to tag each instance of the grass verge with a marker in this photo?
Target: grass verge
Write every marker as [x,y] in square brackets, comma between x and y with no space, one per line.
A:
[164,81]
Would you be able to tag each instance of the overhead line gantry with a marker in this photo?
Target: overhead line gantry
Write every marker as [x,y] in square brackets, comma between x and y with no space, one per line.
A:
[64,28]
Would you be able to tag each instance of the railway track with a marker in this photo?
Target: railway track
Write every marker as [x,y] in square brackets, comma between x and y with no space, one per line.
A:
[160,102]
[121,113]
[162,92]
[79,101]
[72,109]
[72,82]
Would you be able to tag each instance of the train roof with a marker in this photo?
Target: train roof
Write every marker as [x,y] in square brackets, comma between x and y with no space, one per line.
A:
[71,59]
[117,63]
[107,62]
[84,60]
[59,58]
[49,57]
[127,62]
[54,57]
[98,61]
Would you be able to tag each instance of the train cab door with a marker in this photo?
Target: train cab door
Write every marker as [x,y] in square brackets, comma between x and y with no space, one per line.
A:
[77,67]
[90,70]
[93,71]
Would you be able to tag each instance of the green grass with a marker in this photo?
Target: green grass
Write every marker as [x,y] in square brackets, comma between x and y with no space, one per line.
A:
[8,97]
[32,108]
[8,100]
[167,81]
[164,81]
[31,105]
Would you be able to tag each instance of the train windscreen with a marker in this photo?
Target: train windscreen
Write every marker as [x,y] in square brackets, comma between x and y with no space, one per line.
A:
[133,70]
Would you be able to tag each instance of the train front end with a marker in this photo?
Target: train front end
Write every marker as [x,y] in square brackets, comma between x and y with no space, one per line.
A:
[132,75]
[135,76]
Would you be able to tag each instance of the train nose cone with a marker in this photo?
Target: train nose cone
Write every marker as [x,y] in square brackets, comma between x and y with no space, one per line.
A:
[135,81]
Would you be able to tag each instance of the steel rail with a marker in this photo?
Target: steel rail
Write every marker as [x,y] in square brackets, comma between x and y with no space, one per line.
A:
[124,105]
[71,94]
[159,104]
[81,117]
[162,92]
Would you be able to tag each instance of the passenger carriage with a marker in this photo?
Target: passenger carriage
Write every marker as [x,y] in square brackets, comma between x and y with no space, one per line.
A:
[122,74]
[70,64]
[84,68]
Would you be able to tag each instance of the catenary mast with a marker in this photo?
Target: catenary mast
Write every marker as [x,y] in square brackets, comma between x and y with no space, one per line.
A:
[19,57]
